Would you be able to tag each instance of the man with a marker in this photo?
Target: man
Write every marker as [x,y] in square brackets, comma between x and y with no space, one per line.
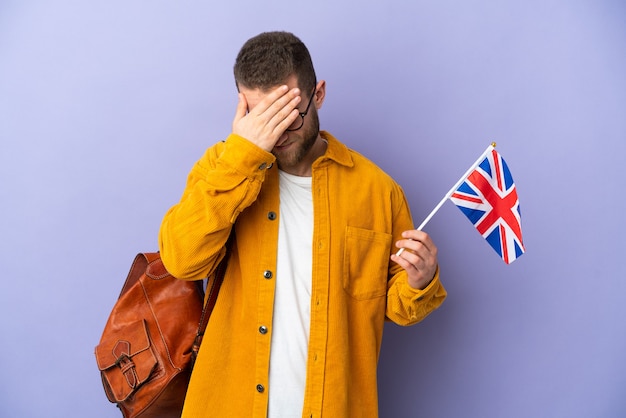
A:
[312,273]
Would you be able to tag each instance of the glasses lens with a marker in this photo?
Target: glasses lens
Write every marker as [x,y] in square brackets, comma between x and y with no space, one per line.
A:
[297,124]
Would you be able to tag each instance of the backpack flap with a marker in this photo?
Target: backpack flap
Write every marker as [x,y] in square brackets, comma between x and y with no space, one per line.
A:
[125,360]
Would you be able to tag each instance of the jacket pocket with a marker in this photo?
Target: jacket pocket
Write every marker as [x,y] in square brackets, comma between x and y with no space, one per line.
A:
[365,263]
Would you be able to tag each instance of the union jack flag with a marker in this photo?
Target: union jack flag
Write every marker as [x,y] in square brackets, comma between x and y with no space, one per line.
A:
[489,200]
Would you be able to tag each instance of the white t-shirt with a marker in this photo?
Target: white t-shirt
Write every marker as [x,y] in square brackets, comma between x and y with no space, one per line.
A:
[292,303]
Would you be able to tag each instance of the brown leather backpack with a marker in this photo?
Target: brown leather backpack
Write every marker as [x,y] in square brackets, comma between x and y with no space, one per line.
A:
[151,338]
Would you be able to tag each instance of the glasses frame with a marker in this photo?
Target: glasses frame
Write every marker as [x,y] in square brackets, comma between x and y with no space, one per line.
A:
[303,114]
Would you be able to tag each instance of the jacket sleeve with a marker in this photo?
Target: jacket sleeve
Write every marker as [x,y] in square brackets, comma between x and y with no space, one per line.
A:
[225,181]
[405,304]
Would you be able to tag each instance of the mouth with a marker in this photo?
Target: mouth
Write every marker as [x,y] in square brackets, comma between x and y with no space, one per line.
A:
[282,148]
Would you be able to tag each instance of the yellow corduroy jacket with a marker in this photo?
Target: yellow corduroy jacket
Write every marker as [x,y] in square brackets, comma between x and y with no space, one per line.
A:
[359,212]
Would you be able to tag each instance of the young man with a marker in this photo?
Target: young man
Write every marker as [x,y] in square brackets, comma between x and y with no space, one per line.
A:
[312,274]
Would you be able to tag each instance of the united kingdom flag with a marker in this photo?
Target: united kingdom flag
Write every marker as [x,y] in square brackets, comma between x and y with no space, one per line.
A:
[489,200]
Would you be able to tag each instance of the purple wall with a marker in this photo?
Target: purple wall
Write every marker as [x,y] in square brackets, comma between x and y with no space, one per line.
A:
[104,108]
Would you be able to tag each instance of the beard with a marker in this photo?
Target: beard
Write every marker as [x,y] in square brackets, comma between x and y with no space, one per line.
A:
[301,141]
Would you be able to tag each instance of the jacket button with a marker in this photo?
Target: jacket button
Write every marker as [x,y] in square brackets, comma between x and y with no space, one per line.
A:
[271,215]
[267,274]
[263,166]
[263,329]
[260,388]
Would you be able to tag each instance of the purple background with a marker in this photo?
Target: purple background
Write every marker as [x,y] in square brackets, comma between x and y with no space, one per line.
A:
[104,107]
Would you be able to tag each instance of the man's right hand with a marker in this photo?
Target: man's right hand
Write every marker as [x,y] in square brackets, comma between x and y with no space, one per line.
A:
[263,118]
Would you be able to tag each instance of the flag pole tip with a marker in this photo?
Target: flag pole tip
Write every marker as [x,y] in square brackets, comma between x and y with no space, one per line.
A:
[493,144]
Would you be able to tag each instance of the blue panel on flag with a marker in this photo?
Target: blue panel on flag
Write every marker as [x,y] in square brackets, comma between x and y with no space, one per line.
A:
[486,166]
[474,215]
[494,240]
[508,178]
[465,188]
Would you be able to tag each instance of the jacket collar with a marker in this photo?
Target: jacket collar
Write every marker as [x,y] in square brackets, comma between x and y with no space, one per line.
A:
[335,151]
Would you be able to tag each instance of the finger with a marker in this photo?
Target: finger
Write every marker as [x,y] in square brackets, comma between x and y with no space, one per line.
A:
[242,108]
[283,123]
[277,111]
[282,112]
[286,107]
[408,261]
[415,239]
[409,246]
[401,261]
[285,118]
[421,254]
[275,100]
[413,257]
[416,235]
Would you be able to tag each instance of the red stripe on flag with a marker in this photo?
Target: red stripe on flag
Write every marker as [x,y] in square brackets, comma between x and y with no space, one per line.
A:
[502,207]
[467,198]
[503,244]
[496,164]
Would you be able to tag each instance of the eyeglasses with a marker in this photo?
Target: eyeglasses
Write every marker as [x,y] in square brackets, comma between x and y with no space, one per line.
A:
[298,123]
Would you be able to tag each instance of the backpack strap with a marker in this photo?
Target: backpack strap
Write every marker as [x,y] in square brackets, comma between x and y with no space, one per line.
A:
[211,298]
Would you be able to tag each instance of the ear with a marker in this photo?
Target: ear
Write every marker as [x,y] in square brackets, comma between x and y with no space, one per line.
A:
[320,94]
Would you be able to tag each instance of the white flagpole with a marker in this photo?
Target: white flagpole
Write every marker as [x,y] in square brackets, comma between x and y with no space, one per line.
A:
[453,189]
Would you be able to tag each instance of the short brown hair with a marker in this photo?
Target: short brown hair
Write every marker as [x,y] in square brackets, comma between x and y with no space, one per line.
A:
[268,59]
